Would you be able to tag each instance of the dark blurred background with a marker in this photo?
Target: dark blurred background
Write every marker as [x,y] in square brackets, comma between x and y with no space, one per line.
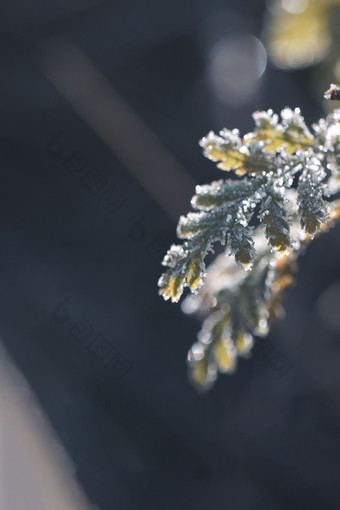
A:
[102,107]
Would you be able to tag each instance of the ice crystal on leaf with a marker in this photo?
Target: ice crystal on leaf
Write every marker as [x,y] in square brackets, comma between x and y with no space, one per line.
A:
[333,92]
[283,176]
[291,134]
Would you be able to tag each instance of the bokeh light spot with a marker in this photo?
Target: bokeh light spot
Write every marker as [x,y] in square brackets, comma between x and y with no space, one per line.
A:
[295,6]
[236,64]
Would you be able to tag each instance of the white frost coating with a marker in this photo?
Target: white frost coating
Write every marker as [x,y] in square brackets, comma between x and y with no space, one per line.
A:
[294,121]
[173,256]
[266,119]
[312,208]
[229,140]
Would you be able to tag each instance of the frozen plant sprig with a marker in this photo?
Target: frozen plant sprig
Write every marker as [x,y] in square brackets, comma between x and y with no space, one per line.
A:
[283,177]
[333,92]
[267,160]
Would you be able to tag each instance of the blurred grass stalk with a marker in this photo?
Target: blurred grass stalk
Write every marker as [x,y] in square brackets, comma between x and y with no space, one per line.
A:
[35,470]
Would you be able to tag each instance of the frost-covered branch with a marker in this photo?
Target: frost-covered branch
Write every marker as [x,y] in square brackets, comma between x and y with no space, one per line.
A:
[283,178]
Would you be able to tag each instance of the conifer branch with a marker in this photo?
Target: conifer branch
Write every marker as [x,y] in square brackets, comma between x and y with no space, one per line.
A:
[284,179]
